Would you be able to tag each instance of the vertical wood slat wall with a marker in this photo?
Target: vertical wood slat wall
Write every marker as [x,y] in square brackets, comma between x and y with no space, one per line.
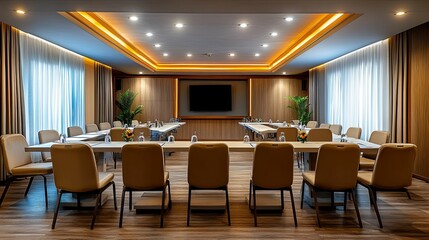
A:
[419,76]
[269,99]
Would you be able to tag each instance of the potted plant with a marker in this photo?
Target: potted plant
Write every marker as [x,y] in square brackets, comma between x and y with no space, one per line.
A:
[124,103]
[301,108]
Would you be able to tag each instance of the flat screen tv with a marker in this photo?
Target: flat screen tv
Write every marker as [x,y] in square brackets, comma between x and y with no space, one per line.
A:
[210,98]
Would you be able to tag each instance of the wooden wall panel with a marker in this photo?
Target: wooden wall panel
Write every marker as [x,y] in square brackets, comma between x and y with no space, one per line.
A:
[270,98]
[419,76]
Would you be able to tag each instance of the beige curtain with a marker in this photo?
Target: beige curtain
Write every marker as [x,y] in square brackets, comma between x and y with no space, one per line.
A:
[103,93]
[11,97]
[317,93]
[398,103]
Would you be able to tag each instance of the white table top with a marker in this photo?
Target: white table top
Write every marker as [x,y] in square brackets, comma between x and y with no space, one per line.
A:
[258,127]
[167,127]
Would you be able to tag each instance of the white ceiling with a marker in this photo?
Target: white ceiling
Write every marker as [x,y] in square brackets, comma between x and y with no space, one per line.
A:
[211,27]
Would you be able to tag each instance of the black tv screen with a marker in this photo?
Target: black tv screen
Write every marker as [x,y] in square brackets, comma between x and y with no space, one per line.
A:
[210,98]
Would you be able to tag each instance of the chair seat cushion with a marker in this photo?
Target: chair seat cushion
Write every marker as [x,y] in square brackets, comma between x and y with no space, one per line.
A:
[104,178]
[309,177]
[364,177]
[366,163]
[33,169]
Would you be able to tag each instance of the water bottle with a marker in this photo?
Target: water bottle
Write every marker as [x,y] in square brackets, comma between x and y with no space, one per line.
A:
[125,126]
[141,137]
[270,121]
[171,138]
[107,138]
[246,138]
[194,137]
[282,137]
[284,123]
[62,138]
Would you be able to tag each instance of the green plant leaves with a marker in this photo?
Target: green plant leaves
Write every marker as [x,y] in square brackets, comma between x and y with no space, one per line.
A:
[301,108]
[124,103]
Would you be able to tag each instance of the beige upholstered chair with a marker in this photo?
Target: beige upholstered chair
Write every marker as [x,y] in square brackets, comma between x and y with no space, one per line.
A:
[144,130]
[336,129]
[105,126]
[367,159]
[134,123]
[354,132]
[117,124]
[291,133]
[324,125]
[336,171]
[143,170]
[18,164]
[47,136]
[91,127]
[319,135]
[393,171]
[116,136]
[74,131]
[208,169]
[312,124]
[295,122]
[272,170]
[75,171]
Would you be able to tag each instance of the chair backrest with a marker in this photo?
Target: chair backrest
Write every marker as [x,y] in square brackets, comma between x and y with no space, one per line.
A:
[208,165]
[354,132]
[134,122]
[117,124]
[312,124]
[324,125]
[143,166]
[14,154]
[116,134]
[73,131]
[393,168]
[377,137]
[337,166]
[145,130]
[319,135]
[47,136]
[74,167]
[291,133]
[273,165]
[91,127]
[105,126]
[336,128]
[295,122]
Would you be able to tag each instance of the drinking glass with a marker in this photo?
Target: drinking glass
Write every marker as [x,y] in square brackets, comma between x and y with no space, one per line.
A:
[194,137]
[171,138]
[282,137]
[107,138]
[246,138]
[141,137]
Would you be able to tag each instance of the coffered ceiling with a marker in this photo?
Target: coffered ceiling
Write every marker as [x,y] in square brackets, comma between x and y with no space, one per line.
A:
[211,40]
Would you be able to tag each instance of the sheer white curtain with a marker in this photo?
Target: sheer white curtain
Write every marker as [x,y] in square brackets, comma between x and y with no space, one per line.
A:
[357,89]
[53,82]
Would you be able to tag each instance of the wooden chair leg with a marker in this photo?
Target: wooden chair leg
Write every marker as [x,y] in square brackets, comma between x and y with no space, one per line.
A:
[122,208]
[316,206]
[408,194]
[130,203]
[162,208]
[95,210]
[6,188]
[345,201]
[293,207]
[255,220]
[114,195]
[302,194]
[57,207]
[373,199]
[282,199]
[227,206]
[169,195]
[189,207]
[46,190]
[28,186]
[356,208]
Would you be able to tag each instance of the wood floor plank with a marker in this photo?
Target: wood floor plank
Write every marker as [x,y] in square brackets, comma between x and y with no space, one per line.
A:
[26,217]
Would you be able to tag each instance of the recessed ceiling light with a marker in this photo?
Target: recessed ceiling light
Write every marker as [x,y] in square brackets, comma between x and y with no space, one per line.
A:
[257,54]
[243,25]
[149,34]
[20,11]
[157,45]
[165,54]
[179,25]
[133,18]
[140,72]
[264,45]
[274,34]
[400,13]
[289,19]
[284,73]
[232,54]
[189,55]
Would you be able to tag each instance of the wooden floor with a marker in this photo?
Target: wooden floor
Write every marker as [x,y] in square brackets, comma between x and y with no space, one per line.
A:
[27,218]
